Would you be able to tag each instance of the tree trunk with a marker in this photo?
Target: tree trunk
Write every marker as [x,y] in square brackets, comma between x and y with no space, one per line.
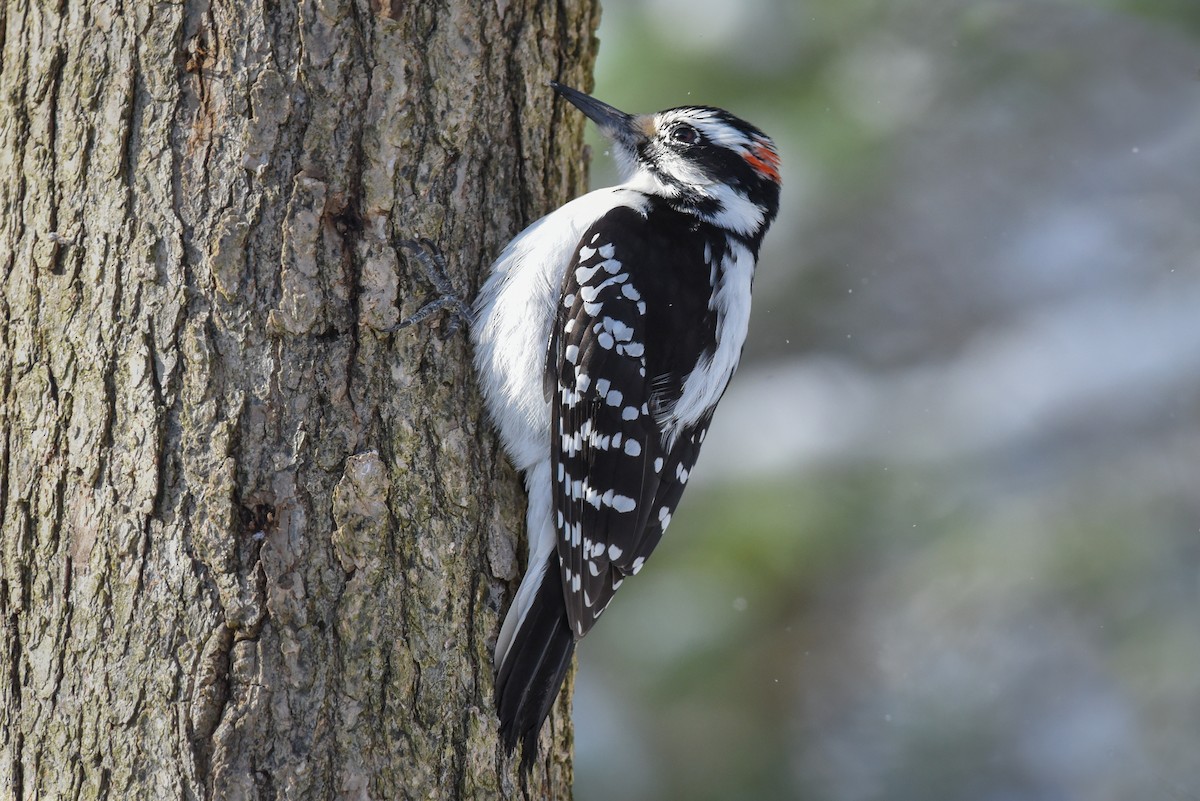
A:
[252,545]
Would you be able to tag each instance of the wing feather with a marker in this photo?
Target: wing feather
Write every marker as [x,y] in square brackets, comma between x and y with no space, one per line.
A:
[634,317]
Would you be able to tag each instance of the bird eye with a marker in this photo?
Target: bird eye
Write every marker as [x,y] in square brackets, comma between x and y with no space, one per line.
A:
[685,134]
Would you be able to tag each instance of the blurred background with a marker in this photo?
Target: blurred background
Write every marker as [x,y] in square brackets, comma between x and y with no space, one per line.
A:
[944,538]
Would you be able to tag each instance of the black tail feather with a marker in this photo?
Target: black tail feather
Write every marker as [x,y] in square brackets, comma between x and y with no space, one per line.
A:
[534,668]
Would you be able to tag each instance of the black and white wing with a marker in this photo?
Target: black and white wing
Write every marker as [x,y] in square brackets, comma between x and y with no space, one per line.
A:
[636,317]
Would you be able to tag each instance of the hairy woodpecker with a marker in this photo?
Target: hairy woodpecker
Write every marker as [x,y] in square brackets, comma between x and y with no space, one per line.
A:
[604,337]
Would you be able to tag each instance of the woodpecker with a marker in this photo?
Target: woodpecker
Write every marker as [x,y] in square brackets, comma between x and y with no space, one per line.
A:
[604,337]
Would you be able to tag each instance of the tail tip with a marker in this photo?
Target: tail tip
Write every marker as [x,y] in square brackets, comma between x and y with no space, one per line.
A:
[510,736]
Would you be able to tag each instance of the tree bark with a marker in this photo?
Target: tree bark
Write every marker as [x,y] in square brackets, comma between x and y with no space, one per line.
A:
[252,545]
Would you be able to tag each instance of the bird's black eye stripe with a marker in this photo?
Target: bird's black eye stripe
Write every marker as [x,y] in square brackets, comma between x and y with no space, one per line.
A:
[685,134]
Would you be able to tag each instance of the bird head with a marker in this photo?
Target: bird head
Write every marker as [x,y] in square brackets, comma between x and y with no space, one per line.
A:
[703,160]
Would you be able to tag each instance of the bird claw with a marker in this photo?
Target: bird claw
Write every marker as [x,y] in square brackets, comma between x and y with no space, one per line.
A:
[433,264]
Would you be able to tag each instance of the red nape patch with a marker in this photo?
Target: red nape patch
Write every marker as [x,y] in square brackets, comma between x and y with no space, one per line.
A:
[763,158]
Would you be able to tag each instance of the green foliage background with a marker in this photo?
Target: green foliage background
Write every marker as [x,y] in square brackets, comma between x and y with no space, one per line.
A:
[944,541]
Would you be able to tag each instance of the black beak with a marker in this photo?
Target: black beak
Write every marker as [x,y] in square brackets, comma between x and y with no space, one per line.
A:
[613,123]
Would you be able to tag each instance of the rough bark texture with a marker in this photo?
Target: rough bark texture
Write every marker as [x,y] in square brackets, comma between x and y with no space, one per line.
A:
[252,546]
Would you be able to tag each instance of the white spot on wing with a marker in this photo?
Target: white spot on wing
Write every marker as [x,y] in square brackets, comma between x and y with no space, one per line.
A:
[622,503]
[635,349]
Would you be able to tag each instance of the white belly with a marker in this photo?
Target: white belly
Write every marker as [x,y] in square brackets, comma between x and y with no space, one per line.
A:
[514,312]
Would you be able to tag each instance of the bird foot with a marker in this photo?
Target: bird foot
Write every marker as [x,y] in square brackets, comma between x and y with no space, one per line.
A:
[433,264]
